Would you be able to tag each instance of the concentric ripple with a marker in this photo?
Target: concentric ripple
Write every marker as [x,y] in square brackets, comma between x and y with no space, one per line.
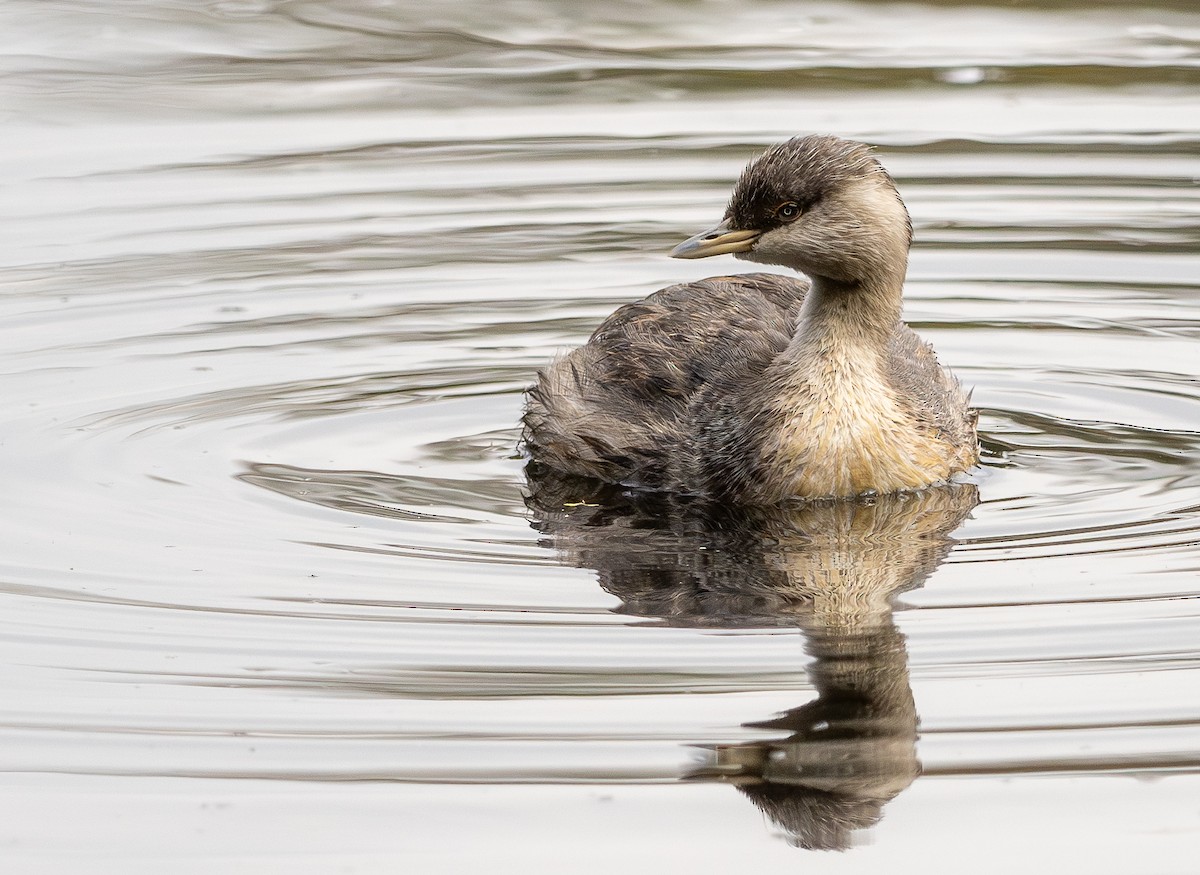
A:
[268,326]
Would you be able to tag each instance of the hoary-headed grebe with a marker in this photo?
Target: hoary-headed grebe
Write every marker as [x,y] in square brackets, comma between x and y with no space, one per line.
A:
[759,388]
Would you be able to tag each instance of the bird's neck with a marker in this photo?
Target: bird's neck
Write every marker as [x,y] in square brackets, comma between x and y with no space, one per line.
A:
[849,318]
[845,429]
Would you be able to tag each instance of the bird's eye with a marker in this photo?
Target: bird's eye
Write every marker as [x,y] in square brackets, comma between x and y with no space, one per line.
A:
[788,211]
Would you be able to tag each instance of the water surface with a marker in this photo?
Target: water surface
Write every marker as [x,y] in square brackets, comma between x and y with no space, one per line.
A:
[277,595]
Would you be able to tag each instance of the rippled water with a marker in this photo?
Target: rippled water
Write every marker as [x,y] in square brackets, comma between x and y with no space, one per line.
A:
[277,595]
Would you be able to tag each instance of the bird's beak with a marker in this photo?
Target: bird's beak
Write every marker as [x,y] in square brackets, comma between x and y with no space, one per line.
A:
[720,240]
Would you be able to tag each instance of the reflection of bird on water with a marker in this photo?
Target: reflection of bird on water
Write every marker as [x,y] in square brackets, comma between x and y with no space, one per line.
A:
[828,567]
[760,388]
[850,751]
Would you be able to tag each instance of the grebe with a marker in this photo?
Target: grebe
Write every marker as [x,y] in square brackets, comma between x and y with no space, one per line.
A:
[760,388]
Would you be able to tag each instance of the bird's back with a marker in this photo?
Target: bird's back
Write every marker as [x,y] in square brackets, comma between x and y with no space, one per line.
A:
[616,409]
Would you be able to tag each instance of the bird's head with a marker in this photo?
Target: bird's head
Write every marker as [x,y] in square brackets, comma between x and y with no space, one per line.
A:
[818,204]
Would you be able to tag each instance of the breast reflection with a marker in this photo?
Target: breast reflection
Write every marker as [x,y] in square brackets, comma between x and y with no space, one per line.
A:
[830,569]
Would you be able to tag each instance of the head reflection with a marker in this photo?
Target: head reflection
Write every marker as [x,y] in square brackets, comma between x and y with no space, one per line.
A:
[830,569]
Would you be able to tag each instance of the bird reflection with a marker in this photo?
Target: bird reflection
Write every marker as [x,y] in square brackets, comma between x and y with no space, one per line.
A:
[849,752]
[829,568]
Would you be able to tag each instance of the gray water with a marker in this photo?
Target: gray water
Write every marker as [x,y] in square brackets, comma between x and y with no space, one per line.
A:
[275,595]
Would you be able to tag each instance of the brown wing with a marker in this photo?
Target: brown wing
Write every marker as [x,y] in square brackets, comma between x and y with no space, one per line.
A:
[612,409]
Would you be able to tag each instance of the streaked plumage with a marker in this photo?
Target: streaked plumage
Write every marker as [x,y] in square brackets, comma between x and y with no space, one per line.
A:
[760,388]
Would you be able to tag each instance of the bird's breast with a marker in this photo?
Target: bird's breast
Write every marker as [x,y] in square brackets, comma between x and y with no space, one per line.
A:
[842,432]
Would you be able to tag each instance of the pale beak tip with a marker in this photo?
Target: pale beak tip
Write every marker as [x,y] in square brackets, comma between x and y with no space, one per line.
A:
[686,249]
